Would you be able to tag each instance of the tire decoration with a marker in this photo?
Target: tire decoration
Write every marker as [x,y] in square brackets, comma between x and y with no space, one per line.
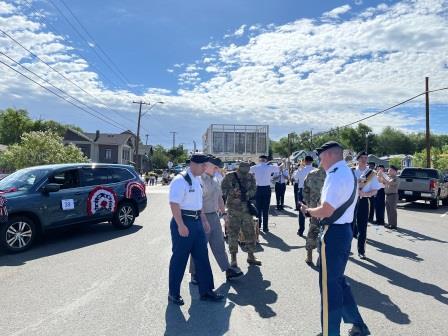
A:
[102,200]
[3,210]
[135,190]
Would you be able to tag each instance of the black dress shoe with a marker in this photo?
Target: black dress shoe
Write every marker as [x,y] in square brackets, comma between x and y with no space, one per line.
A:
[212,296]
[362,256]
[359,330]
[176,300]
[265,230]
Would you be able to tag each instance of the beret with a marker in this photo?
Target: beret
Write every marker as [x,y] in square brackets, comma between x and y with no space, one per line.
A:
[215,161]
[199,158]
[326,146]
[263,157]
[309,158]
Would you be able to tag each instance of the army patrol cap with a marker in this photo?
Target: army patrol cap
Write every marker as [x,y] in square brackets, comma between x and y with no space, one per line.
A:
[326,146]
[244,165]
[215,161]
[199,158]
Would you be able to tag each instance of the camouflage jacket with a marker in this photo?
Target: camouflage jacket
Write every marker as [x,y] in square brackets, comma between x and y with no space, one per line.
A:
[313,186]
[231,190]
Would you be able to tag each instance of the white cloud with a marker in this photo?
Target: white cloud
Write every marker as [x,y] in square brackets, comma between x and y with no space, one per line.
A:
[6,8]
[304,74]
[335,13]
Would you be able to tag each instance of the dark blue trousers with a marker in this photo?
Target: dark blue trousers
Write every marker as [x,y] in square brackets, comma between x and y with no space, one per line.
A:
[196,245]
[362,218]
[263,200]
[301,216]
[337,301]
[380,206]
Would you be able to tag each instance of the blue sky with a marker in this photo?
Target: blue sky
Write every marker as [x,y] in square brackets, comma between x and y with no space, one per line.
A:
[295,65]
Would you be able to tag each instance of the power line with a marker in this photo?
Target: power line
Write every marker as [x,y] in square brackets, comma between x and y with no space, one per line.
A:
[96,43]
[382,111]
[58,95]
[52,28]
[58,72]
[83,38]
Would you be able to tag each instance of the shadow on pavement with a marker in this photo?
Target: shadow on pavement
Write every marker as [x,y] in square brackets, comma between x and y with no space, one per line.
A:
[417,236]
[401,280]
[205,318]
[274,241]
[399,252]
[274,212]
[373,299]
[421,207]
[252,290]
[67,239]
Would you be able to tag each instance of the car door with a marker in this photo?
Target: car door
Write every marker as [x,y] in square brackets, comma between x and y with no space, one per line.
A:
[91,178]
[68,205]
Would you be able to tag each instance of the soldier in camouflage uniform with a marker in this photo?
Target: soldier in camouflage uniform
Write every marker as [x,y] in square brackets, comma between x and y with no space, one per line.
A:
[239,217]
[311,197]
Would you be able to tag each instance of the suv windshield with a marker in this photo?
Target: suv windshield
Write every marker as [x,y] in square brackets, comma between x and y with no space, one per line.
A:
[22,180]
[419,173]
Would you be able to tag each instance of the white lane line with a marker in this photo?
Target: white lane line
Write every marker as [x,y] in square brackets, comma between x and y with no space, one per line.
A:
[446,213]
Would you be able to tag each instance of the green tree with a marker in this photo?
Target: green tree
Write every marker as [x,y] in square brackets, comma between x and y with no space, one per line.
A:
[395,162]
[39,148]
[159,158]
[13,123]
[393,141]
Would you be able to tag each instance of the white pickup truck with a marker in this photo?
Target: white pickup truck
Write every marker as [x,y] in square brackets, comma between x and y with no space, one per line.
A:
[423,184]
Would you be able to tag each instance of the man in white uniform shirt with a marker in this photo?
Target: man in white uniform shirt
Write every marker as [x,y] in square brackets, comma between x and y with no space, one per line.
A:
[368,186]
[280,178]
[338,202]
[299,178]
[188,232]
[263,175]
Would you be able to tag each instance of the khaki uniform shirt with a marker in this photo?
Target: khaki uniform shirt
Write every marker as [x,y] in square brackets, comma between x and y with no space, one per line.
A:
[211,190]
[391,187]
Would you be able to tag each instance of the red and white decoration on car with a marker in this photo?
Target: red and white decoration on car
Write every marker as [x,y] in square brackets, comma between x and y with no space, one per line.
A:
[135,190]
[102,200]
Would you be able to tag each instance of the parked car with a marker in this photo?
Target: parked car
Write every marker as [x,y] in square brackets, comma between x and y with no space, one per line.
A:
[34,200]
[423,184]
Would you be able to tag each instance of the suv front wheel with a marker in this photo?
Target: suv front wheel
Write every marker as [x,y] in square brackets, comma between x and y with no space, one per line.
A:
[17,234]
[125,215]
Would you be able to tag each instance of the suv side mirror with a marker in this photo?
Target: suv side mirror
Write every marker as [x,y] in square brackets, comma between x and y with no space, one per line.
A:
[51,187]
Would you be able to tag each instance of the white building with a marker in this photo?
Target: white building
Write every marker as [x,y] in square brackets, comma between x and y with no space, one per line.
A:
[236,142]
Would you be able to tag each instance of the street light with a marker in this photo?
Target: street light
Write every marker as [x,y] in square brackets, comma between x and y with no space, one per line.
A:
[151,107]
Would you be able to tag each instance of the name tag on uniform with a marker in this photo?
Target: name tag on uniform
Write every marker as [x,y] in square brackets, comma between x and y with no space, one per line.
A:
[191,190]
[68,204]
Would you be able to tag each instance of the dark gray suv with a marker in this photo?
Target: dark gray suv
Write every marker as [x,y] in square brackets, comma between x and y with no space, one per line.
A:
[36,199]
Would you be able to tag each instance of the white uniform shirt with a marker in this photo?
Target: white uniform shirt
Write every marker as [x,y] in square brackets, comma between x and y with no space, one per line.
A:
[188,197]
[374,184]
[263,173]
[301,174]
[338,188]
[281,176]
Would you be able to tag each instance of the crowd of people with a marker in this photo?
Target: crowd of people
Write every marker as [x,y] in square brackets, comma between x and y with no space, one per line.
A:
[338,198]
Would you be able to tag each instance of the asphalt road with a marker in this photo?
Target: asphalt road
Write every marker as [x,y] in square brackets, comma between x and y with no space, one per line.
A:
[95,280]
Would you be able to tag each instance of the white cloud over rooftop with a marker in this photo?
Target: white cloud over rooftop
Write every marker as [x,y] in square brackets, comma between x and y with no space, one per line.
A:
[311,73]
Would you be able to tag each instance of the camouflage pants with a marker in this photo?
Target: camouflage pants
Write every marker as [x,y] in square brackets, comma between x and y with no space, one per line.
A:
[241,221]
[312,237]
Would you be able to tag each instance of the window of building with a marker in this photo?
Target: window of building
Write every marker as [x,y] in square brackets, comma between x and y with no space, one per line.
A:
[126,155]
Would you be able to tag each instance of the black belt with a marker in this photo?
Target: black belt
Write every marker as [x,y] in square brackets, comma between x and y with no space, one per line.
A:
[191,213]
[263,186]
[392,194]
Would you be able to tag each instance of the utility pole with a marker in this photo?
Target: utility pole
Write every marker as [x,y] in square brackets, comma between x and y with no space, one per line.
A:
[194,146]
[311,139]
[138,131]
[146,142]
[428,136]
[174,138]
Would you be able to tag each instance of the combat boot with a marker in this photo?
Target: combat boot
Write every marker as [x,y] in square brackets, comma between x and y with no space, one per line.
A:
[233,261]
[252,260]
[309,257]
